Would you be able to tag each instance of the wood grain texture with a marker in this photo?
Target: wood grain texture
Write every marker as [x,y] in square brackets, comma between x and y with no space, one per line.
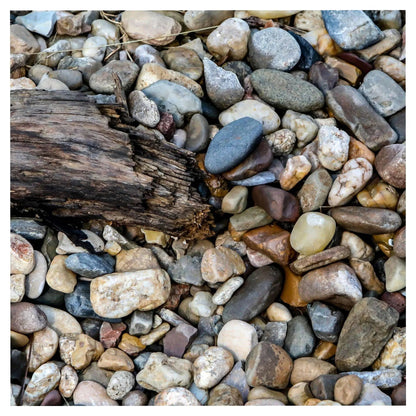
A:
[66,161]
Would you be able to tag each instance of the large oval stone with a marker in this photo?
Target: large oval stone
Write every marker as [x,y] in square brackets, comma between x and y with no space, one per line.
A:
[232,144]
[366,220]
[257,293]
[352,109]
[118,294]
[366,330]
[60,321]
[22,257]
[26,318]
[390,163]
[285,91]
[91,393]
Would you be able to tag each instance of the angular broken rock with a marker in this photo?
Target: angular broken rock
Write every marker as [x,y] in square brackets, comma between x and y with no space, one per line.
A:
[178,339]
[336,284]
[268,365]
[366,330]
[118,294]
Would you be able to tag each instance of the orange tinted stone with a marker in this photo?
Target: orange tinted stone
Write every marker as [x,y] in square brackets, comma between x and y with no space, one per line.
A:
[236,235]
[358,149]
[131,345]
[385,243]
[325,350]
[290,292]
[217,185]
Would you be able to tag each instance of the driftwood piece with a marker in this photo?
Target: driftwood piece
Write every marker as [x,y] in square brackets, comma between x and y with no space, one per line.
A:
[67,162]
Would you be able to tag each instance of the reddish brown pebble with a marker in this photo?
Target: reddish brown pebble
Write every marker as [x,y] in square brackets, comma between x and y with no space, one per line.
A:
[391,164]
[166,125]
[53,398]
[177,291]
[177,340]
[279,204]
[396,300]
[110,333]
[398,396]
[272,241]
[399,243]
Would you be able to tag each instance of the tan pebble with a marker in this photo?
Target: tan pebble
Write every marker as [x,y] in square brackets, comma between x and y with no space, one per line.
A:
[261,392]
[155,335]
[311,402]
[135,259]
[309,368]
[131,345]
[90,393]
[299,393]
[35,281]
[378,194]
[66,347]
[43,347]
[68,382]
[114,359]
[264,402]
[278,312]
[358,149]
[325,350]
[112,248]
[348,389]
[22,259]
[18,340]
[86,349]
[358,248]
[290,291]
[17,287]
[393,355]
[59,277]
[60,321]
[296,169]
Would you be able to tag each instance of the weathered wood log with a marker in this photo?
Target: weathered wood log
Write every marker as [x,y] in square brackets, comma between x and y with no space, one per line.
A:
[67,161]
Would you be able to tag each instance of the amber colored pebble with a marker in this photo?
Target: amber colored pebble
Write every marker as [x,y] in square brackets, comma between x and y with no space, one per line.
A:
[131,345]
[358,149]
[311,402]
[290,292]
[18,340]
[236,235]
[378,194]
[325,350]
[217,185]
[385,243]
[347,71]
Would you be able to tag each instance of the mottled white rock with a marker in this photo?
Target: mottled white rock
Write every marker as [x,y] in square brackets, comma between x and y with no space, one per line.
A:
[297,167]
[43,347]
[152,72]
[66,246]
[60,321]
[281,141]
[353,177]
[59,277]
[118,294]
[17,287]
[333,146]
[162,372]
[202,304]
[51,84]
[226,290]
[176,396]
[94,47]
[22,83]
[105,29]
[52,55]
[302,125]
[229,40]
[395,269]
[67,344]
[68,382]
[359,249]
[35,280]
[121,382]
[22,258]
[393,355]
[238,337]
[143,110]
[212,366]
[91,393]
[43,380]
[254,109]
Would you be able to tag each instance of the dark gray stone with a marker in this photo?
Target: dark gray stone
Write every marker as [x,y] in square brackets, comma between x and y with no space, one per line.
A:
[89,265]
[308,54]
[18,364]
[232,144]
[351,29]
[51,297]
[140,322]
[323,386]
[258,292]
[300,339]
[27,228]
[285,91]
[275,332]
[240,68]
[210,325]
[237,378]
[187,270]
[323,76]
[197,133]
[326,321]
[398,124]
[91,327]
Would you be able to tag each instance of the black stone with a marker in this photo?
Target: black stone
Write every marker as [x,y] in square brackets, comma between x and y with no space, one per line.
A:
[91,327]
[78,303]
[398,124]
[300,339]
[308,54]
[89,265]
[51,297]
[18,364]
[275,332]
[232,144]
[240,68]
[326,321]
[209,110]
[258,292]
[323,386]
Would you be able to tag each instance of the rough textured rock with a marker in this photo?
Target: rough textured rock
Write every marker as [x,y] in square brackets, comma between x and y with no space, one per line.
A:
[366,330]
[114,359]
[224,395]
[390,164]
[43,347]
[120,384]
[175,396]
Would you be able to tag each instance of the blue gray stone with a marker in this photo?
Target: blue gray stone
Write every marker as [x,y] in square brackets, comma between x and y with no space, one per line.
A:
[187,270]
[398,124]
[200,394]
[273,48]
[384,379]
[88,265]
[197,133]
[140,322]
[237,378]
[223,87]
[383,93]
[326,321]
[232,144]
[85,64]
[141,360]
[285,91]
[27,228]
[42,22]
[351,29]
[259,179]
[173,98]
[372,394]
[275,332]
[300,339]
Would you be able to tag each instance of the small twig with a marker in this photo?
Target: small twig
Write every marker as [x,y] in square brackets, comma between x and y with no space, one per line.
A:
[22,390]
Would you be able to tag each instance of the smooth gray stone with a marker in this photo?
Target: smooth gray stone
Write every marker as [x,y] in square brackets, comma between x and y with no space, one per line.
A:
[85,64]
[315,190]
[323,386]
[384,94]
[200,394]
[140,322]
[370,394]
[285,91]
[326,321]
[261,178]
[27,228]
[42,22]
[398,124]
[352,109]
[197,131]
[300,339]
[273,48]
[70,77]
[141,360]
[223,87]
[89,265]
[258,292]
[384,379]
[173,98]
[187,270]
[351,29]
[275,332]
[237,378]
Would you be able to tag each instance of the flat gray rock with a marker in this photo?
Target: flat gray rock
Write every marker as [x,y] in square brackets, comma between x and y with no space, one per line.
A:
[42,22]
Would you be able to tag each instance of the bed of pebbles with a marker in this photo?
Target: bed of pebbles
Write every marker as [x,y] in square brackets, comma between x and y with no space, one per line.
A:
[298,120]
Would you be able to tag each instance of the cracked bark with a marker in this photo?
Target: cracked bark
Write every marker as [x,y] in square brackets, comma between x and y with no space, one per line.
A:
[67,161]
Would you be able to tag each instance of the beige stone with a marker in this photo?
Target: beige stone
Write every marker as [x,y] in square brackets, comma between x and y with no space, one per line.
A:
[35,281]
[90,393]
[22,83]
[135,259]
[308,368]
[299,393]
[309,20]
[348,389]
[59,277]
[43,347]
[347,71]
[155,335]
[22,259]
[112,248]
[392,38]
[392,67]
[118,294]
[17,287]
[60,321]
[277,312]
[261,392]
[67,346]
[322,42]
[358,248]
[86,350]
[114,359]
[22,41]
[68,381]
[18,340]
[297,167]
